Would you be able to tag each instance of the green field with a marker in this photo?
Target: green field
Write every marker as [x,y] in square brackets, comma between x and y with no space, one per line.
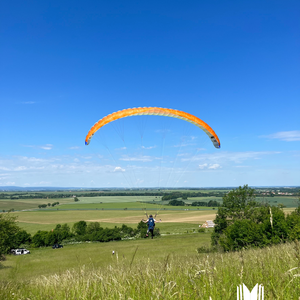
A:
[26,204]
[46,261]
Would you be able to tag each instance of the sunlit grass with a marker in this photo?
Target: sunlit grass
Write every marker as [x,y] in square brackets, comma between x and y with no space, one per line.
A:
[168,276]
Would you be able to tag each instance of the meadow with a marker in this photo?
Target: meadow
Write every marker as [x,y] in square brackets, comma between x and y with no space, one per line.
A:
[167,267]
[164,268]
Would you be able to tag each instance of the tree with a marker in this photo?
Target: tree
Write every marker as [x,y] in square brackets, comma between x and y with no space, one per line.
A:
[238,204]
[40,239]
[8,231]
[93,227]
[22,237]
[79,228]
[76,199]
[176,203]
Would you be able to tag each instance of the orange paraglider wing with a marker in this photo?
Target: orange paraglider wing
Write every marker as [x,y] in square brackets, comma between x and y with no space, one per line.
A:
[157,111]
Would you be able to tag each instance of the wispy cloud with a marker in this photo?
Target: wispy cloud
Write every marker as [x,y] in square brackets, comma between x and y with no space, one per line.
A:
[148,148]
[184,145]
[287,136]
[47,147]
[137,158]
[236,157]
[203,166]
[119,169]
[214,167]
[7,183]
[209,166]
[74,148]
[44,147]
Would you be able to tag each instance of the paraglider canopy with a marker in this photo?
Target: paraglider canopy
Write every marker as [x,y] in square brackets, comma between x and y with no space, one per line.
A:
[157,111]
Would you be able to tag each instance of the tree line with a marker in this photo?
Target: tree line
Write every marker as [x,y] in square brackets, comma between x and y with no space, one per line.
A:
[12,236]
[242,222]
[165,196]
[210,203]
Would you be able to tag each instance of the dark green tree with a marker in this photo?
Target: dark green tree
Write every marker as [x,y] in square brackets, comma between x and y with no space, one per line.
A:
[79,228]
[93,227]
[8,231]
[177,203]
[238,204]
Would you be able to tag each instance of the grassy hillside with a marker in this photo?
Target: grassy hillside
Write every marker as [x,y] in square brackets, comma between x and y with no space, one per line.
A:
[164,268]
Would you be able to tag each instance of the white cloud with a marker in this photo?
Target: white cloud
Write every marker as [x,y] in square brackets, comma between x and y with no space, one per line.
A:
[236,157]
[74,147]
[76,160]
[138,158]
[119,169]
[184,145]
[20,168]
[148,148]
[203,166]
[4,168]
[8,183]
[209,166]
[122,148]
[44,147]
[287,136]
[214,166]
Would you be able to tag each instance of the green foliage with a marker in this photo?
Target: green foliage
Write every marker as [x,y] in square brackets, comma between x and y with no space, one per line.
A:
[49,238]
[40,239]
[93,227]
[176,203]
[22,237]
[8,231]
[243,223]
[76,199]
[211,203]
[79,228]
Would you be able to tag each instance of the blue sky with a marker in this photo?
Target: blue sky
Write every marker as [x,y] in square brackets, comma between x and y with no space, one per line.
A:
[65,65]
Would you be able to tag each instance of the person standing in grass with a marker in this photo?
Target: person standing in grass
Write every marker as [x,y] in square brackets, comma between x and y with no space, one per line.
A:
[151,224]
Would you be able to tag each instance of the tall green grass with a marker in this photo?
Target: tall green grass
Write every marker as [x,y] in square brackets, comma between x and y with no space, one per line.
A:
[175,277]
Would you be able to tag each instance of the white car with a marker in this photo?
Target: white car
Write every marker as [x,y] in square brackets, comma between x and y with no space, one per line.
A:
[20,251]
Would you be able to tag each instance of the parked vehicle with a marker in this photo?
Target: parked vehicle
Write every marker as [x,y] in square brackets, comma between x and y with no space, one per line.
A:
[20,251]
[57,246]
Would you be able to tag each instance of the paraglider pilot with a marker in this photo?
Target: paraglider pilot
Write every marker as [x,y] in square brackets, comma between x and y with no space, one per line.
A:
[151,224]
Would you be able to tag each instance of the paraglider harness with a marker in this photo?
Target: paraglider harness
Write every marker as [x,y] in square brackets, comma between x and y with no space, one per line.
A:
[151,225]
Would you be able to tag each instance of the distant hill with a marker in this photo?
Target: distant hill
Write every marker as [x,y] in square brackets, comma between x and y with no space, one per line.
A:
[32,188]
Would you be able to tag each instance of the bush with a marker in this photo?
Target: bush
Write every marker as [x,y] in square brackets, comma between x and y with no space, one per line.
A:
[177,203]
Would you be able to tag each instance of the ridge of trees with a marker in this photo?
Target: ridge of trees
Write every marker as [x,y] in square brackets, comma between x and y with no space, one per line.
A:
[242,222]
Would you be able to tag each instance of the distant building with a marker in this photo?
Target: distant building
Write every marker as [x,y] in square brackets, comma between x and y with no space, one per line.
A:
[208,224]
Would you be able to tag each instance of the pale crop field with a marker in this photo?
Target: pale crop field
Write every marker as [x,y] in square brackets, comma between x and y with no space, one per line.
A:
[172,221]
